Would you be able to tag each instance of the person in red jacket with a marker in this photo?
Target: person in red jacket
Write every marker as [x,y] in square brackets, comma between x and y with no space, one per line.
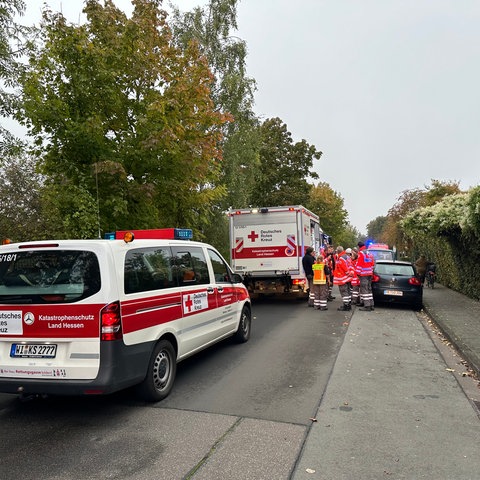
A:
[364,269]
[355,280]
[342,276]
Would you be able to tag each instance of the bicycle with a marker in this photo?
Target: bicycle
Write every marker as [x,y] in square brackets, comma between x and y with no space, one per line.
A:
[430,277]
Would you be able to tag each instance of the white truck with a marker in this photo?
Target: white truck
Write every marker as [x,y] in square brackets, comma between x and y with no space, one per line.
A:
[267,245]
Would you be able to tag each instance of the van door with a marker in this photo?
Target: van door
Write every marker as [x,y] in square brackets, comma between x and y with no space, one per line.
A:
[199,324]
[152,297]
[225,292]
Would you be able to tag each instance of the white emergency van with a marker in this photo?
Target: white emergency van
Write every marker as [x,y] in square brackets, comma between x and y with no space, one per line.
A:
[80,317]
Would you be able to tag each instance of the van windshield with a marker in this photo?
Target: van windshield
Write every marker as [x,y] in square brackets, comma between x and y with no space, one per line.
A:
[49,276]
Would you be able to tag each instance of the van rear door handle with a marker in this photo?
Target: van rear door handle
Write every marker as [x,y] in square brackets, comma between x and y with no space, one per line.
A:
[220,289]
[210,290]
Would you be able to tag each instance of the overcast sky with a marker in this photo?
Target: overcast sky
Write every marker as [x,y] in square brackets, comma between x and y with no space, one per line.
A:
[388,90]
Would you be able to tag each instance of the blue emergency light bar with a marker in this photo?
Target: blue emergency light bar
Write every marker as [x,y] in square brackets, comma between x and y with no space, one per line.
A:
[153,234]
[183,233]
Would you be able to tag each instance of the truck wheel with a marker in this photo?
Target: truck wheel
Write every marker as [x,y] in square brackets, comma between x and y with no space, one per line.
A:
[243,333]
[161,373]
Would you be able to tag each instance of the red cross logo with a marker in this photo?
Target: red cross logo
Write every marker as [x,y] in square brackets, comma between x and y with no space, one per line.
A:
[253,236]
[189,303]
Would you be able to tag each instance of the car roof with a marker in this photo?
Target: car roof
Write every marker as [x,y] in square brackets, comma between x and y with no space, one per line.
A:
[393,262]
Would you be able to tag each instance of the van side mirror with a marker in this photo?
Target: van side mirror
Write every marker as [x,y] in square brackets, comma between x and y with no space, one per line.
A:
[237,278]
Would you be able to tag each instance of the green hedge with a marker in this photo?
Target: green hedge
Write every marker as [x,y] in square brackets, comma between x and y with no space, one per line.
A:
[448,233]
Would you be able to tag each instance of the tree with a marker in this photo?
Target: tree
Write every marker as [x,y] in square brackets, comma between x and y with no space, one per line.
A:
[12,47]
[123,121]
[210,27]
[20,198]
[375,229]
[329,206]
[349,237]
[408,202]
[14,42]
[439,190]
[285,167]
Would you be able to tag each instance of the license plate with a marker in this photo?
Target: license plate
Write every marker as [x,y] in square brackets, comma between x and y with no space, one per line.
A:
[393,292]
[33,350]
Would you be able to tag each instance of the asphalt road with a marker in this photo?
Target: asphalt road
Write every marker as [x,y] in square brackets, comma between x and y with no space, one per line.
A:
[312,395]
[236,412]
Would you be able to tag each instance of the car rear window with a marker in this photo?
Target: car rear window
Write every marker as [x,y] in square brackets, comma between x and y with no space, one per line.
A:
[392,269]
[48,276]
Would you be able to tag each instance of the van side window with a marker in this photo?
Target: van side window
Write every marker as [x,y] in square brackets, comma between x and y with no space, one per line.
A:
[220,269]
[190,266]
[148,269]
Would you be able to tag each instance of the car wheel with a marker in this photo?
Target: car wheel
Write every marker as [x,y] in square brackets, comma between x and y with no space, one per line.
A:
[161,373]
[243,333]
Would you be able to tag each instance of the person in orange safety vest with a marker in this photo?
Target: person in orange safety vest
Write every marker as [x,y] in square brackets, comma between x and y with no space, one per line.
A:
[321,272]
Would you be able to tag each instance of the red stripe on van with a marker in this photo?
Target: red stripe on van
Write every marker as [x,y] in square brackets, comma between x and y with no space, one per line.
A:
[150,311]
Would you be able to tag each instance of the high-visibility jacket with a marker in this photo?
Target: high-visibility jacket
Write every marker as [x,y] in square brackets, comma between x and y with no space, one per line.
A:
[319,277]
[343,270]
[365,263]
[355,279]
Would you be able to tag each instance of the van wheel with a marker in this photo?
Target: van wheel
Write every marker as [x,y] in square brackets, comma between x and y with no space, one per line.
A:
[161,373]
[243,333]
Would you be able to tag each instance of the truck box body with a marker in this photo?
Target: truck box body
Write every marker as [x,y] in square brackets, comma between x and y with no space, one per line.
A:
[267,246]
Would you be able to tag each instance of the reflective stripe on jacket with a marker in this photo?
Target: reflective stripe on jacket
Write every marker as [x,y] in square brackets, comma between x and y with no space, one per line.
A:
[343,270]
[365,263]
[355,279]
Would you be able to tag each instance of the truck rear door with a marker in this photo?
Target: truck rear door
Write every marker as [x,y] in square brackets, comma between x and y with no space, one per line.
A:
[265,242]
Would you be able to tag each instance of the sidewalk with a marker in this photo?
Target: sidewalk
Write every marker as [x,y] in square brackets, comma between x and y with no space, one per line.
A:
[392,409]
[459,318]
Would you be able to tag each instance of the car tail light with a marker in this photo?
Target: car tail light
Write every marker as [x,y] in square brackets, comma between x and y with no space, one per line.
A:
[111,322]
[375,278]
[93,392]
[414,281]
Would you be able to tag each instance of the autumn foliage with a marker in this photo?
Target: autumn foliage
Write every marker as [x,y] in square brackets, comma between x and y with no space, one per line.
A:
[123,118]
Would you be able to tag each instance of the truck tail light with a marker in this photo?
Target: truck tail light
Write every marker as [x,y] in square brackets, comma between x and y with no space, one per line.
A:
[111,322]
[299,281]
